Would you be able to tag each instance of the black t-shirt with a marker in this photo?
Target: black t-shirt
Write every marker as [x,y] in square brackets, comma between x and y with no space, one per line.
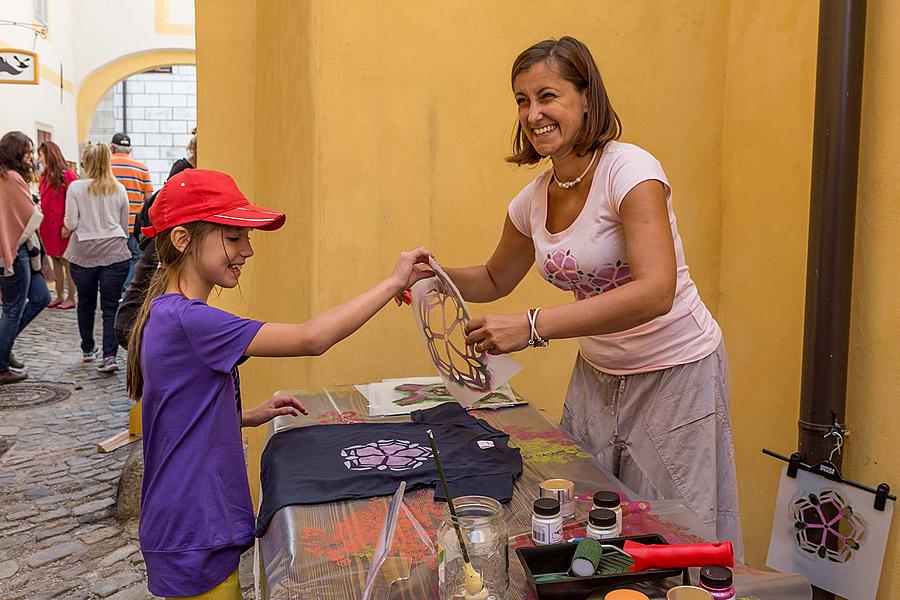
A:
[324,463]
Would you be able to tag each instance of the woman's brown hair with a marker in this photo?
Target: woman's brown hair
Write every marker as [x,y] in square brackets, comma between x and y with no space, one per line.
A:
[171,265]
[55,166]
[13,147]
[574,63]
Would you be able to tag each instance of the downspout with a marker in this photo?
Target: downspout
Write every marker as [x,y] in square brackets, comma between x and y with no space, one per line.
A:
[832,220]
[124,105]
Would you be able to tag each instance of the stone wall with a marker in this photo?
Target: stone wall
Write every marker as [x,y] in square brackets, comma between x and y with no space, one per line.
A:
[161,111]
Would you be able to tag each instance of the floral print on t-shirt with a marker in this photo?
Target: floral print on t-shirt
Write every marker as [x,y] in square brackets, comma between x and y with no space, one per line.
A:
[562,270]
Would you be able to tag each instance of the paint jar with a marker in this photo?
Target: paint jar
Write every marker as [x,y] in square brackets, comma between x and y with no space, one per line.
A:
[546,522]
[718,581]
[602,524]
[609,500]
[487,543]
[687,592]
[562,490]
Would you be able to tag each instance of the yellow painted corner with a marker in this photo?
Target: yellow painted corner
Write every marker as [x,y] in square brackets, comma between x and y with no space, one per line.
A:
[163,21]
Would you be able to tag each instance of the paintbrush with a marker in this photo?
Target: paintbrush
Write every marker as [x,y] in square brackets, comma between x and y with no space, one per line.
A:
[474,581]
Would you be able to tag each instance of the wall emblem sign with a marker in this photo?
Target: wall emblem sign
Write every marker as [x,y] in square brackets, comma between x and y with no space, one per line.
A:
[18,66]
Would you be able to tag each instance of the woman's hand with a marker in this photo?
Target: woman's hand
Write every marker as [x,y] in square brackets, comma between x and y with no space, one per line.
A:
[271,408]
[410,268]
[65,233]
[498,334]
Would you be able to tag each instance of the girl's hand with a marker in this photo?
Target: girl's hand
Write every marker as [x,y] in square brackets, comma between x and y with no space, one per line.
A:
[65,233]
[410,268]
[271,408]
[498,334]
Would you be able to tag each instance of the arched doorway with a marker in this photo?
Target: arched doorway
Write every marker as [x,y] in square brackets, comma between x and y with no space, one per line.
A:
[151,96]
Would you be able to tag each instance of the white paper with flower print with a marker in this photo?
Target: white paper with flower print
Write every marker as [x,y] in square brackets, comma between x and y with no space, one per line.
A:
[831,533]
[441,315]
[391,397]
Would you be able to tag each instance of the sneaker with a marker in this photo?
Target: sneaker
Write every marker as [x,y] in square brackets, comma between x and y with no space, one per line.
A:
[87,357]
[108,365]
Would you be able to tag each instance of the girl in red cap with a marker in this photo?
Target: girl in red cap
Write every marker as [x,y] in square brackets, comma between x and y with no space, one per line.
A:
[196,513]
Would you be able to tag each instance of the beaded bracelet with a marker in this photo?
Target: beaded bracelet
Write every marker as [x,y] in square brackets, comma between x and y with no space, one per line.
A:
[536,340]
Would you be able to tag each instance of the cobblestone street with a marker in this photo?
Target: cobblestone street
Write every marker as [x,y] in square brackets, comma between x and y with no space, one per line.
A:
[59,537]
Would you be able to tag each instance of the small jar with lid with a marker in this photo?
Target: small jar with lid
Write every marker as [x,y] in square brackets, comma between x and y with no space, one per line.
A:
[546,522]
[718,581]
[610,501]
[602,524]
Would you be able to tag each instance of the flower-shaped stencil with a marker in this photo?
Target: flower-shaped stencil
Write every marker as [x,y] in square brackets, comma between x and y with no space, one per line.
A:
[826,526]
[394,455]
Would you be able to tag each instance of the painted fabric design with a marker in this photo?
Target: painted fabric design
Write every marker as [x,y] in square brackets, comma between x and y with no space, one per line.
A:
[826,526]
[344,538]
[396,455]
[561,269]
[551,446]
[441,315]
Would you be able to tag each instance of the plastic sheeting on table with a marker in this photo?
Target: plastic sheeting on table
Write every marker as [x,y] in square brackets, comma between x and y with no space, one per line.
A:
[324,551]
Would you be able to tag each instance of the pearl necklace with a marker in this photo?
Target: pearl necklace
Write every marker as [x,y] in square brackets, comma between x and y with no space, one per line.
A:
[570,184]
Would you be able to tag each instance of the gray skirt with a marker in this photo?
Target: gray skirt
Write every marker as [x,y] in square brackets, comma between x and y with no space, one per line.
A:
[666,434]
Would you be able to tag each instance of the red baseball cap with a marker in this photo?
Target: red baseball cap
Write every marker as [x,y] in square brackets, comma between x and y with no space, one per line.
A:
[211,196]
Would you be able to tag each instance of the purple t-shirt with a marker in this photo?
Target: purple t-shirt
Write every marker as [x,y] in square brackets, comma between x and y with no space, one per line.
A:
[196,513]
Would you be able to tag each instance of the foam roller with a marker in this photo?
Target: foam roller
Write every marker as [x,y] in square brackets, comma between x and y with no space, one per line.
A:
[587,557]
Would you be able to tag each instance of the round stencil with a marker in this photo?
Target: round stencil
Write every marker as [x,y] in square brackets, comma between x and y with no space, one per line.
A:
[32,393]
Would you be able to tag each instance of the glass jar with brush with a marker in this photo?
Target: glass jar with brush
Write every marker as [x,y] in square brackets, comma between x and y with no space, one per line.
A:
[487,541]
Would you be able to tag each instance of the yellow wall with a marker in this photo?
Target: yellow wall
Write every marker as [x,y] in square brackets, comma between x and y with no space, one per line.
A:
[381,126]
[766,158]
[873,390]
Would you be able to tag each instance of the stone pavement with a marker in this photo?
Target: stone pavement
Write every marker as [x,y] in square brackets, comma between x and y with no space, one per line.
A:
[59,537]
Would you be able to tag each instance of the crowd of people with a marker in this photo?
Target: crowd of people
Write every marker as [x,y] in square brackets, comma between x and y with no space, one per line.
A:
[78,232]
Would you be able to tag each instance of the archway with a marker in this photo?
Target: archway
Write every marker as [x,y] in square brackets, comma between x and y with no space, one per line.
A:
[95,85]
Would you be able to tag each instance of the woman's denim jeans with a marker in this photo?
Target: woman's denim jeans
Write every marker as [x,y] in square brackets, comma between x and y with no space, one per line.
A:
[109,281]
[25,294]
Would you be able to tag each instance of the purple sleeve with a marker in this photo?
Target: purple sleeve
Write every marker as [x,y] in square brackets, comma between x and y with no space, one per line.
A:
[219,338]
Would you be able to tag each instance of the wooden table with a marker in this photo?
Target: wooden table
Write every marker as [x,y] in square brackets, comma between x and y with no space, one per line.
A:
[323,551]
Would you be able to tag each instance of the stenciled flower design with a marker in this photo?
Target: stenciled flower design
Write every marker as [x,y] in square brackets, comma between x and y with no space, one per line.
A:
[826,526]
[563,272]
[394,455]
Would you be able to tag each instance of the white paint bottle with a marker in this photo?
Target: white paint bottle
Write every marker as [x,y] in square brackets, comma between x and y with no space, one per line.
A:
[610,501]
[546,522]
[602,524]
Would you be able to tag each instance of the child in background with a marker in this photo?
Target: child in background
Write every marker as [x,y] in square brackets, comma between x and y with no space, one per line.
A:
[196,513]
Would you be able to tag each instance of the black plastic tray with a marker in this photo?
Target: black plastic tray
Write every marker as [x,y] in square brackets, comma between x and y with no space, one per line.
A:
[556,558]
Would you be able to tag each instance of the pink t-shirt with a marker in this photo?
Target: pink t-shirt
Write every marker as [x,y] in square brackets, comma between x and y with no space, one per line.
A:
[589,258]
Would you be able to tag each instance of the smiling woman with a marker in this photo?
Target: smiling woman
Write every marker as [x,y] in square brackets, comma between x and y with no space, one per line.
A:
[649,392]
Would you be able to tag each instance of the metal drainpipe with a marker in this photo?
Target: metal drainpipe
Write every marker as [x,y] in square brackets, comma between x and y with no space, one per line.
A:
[125,106]
[832,219]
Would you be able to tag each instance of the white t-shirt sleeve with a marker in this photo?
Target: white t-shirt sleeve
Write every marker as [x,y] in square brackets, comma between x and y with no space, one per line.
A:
[631,167]
[521,206]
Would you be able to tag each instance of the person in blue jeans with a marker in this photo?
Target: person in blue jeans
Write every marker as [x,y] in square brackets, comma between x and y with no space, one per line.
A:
[22,286]
[96,222]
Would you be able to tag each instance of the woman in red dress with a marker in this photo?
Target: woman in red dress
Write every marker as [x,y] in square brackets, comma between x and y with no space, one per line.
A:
[55,179]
